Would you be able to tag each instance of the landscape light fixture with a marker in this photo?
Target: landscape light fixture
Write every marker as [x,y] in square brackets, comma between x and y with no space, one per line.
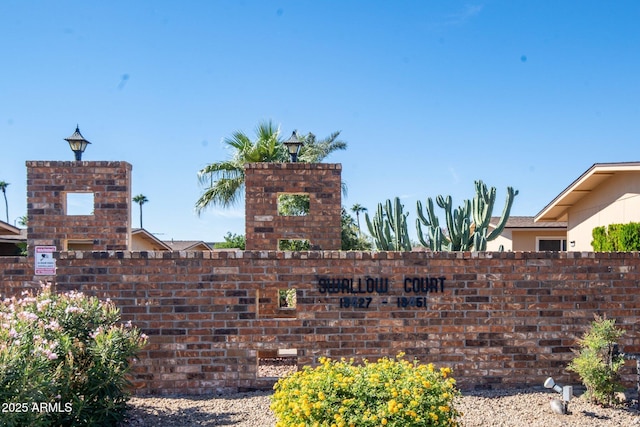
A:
[559,406]
[77,143]
[293,145]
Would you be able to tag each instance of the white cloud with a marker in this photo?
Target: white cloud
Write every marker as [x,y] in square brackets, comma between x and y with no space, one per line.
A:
[406,196]
[228,213]
[462,17]
[454,175]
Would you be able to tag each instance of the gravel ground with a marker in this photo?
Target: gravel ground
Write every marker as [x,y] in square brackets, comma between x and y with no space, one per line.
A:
[488,408]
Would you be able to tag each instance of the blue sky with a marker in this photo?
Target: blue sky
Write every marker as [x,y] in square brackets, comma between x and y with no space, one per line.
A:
[429,95]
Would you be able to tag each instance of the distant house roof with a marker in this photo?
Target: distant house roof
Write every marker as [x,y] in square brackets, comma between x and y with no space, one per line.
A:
[527,222]
[13,238]
[8,229]
[141,233]
[188,245]
[587,182]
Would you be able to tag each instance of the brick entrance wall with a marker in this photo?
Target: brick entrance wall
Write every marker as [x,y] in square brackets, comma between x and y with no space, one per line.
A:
[264,182]
[108,227]
[498,319]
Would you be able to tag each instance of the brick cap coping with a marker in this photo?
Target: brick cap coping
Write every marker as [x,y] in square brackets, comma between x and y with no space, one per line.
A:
[348,255]
[294,166]
[83,163]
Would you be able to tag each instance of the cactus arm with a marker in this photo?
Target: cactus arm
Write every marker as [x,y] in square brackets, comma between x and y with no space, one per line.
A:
[421,238]
[389,227]
[403,230]
[465,233]
[480,240]
[449,216]
[370,226]
[388,238]
[406,240]
[483,205]
[419,221]
[398,221]
[421,218]
[438,239]
[511,194]
[376,228]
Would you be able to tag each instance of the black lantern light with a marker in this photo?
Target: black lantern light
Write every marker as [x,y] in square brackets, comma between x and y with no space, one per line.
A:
[293,145]
[77,143]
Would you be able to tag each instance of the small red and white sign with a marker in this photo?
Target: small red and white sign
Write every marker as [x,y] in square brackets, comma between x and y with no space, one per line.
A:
[45,262]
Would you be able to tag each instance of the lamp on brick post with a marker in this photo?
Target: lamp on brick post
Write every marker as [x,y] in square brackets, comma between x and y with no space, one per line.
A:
[77,143]
[293,145]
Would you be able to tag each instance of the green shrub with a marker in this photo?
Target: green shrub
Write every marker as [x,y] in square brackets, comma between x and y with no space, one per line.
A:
[616,238]
[64,360]
[599,235]
[597,362]
[287,298]
[390,392]
[629,237]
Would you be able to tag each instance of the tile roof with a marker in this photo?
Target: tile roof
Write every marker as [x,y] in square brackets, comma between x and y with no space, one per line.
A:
[527,222]
[187,245]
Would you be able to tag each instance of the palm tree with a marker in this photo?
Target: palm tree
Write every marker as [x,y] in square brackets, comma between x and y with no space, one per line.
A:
[315,151]
[3,187]
[141,200]
[357,208]
[224,180]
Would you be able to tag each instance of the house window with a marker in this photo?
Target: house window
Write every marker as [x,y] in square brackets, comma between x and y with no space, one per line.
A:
[551,244]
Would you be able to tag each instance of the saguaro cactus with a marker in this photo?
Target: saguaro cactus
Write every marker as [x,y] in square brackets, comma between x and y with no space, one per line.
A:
[389,227]
[468,225]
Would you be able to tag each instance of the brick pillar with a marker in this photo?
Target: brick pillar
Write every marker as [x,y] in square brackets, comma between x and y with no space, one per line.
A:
[264,182]
[106,227]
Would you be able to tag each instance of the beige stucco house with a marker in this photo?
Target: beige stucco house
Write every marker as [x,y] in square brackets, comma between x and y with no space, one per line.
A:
[607,193]
[142,240]
[521,233]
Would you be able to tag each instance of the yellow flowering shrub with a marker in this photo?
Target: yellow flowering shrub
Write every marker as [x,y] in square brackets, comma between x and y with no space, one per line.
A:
[389,392]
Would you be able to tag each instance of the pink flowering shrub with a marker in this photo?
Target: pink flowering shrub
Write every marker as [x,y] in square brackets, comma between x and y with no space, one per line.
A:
[64,360]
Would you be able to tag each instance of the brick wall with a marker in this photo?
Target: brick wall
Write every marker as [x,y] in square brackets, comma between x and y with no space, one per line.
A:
[499,319]
[49,182]
[264,182]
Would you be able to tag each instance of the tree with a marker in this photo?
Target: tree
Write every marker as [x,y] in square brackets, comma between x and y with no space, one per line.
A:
[3,187]
[223,181]
[231,241]
[141,200]
[357,208]
[352,239]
